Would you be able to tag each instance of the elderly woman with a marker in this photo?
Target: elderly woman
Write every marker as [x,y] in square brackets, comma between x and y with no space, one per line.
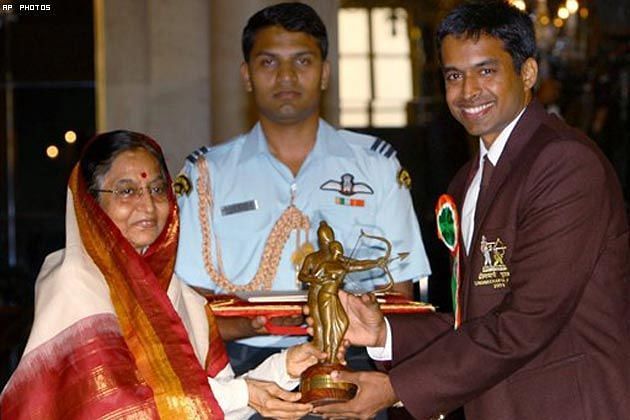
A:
[116,334]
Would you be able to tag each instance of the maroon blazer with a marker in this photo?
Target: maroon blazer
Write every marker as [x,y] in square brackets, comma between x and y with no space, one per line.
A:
[546,318]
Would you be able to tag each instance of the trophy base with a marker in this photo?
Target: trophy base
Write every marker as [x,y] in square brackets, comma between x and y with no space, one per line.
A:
[318,388]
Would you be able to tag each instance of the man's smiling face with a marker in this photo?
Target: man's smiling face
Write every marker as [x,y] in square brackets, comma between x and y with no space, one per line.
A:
[483,89]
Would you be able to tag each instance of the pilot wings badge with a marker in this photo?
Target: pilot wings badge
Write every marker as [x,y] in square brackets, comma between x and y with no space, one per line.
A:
[347,186]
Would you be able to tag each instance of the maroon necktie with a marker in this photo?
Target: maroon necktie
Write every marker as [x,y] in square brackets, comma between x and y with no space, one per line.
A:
[486,175]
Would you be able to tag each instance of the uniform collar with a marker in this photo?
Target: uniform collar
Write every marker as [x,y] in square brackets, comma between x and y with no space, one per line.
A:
[328,143]
[254,144]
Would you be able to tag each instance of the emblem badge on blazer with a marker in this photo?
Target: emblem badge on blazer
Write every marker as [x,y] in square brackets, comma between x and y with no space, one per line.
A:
[494,272]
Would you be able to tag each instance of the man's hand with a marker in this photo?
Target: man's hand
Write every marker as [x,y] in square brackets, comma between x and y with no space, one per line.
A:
[288,321]
[366,323]
[405,288]
[272,401]
[301,357]
[234,328]
[375,392]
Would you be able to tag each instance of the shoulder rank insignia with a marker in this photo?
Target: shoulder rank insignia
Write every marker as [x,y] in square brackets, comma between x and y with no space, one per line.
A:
[192,158]
[182,185]
[404,179]
[382,147]
[347,186]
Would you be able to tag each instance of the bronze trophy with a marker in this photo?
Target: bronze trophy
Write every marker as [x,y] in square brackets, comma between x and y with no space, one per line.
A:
[324,271]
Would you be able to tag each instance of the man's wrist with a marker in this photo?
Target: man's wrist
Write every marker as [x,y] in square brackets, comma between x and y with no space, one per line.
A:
[381,339]
[382,351]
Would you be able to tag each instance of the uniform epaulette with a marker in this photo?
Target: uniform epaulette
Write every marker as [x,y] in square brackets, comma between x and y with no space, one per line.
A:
[382,147]
[192,158]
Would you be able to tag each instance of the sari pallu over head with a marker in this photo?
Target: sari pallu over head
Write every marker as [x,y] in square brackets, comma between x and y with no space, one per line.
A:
[138,363]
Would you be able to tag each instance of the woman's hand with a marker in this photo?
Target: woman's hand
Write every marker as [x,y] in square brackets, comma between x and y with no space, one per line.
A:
[300,357]
[272,401]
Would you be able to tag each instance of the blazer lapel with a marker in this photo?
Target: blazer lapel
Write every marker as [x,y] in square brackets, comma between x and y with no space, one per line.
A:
[458,192]
[521,135]
[519,138]
[486,196]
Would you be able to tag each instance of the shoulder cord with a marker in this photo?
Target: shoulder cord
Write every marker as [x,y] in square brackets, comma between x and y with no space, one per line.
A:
[292,218]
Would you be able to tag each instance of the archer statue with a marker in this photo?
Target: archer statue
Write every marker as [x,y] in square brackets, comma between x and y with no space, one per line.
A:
[324,271]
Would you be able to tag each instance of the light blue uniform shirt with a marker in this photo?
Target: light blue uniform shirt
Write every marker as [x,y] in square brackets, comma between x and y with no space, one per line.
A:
[244,172]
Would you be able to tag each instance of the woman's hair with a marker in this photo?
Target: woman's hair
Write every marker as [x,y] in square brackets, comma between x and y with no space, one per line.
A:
[495,18]
[102,149]
[293,17]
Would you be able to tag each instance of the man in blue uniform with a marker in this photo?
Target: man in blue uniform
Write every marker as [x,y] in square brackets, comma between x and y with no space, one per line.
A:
[255,202]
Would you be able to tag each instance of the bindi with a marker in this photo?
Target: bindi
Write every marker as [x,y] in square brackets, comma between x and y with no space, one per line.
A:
[143,174]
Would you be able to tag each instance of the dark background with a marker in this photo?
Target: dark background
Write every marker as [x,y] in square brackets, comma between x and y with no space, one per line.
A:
[48,56]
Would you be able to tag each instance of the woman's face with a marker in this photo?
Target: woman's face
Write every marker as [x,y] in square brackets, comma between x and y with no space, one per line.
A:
[139,204]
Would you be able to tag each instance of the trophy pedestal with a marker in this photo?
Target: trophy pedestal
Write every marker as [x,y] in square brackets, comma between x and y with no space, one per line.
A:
[318,388]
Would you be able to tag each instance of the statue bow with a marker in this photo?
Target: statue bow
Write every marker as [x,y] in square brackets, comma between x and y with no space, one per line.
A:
[384,261]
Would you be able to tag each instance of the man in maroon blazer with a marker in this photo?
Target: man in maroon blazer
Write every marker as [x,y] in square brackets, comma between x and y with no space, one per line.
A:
[544,292]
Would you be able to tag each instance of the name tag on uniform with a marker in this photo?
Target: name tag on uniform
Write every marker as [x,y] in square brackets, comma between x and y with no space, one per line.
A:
[239,207]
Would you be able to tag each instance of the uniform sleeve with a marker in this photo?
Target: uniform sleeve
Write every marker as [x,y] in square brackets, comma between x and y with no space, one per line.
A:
[399,224]
[189,264]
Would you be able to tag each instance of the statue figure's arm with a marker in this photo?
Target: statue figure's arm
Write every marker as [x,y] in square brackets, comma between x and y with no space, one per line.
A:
[351,264]
[306,271]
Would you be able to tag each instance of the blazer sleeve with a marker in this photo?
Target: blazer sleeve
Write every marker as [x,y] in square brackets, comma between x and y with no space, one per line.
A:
[413,333]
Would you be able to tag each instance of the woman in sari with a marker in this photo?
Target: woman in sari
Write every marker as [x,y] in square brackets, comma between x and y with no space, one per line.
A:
[116,334]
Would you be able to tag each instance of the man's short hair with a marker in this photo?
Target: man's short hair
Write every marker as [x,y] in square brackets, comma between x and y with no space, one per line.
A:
[293,17]
[495,18]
